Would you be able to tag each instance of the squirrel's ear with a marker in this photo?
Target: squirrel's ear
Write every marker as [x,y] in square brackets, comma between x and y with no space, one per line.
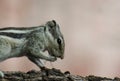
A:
[54,22]
[51,23]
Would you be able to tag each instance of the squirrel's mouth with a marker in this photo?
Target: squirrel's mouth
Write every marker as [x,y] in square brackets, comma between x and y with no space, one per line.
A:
[55,53]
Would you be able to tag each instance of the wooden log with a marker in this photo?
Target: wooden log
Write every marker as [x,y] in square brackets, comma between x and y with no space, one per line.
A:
[50,75]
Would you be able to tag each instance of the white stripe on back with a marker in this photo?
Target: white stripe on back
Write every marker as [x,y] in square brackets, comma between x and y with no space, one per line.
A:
[16,31]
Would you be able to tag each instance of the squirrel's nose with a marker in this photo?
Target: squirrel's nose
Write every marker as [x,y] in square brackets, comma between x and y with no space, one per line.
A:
[61,57]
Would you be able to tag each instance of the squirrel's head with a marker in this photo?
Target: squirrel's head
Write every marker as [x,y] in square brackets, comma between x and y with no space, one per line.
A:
[55,40]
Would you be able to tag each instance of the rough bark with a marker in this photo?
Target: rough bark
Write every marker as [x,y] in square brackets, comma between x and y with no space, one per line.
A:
[50,75]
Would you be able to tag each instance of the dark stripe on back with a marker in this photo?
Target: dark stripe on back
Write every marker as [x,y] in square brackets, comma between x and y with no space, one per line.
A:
[13,35]
[18,28]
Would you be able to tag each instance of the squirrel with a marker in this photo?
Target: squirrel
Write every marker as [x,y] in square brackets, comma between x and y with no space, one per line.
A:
[32,42]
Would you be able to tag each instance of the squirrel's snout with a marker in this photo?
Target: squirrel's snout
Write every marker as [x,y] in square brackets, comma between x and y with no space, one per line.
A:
[61,57]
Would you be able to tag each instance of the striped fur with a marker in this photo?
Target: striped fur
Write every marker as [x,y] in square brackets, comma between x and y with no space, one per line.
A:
[17,33]
[13,35]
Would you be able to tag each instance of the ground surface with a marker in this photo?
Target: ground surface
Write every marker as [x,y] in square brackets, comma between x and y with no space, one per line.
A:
[50,75]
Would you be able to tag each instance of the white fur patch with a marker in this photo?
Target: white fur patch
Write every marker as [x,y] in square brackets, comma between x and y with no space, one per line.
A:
[16,31]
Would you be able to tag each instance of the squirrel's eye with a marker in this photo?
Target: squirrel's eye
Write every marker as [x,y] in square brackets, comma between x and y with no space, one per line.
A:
[51,27]
[59,41]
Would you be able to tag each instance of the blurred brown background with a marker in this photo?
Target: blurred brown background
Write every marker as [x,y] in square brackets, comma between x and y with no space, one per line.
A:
[91,30]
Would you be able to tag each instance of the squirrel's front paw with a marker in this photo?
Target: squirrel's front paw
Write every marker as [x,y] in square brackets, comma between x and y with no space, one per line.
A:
[52,59]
